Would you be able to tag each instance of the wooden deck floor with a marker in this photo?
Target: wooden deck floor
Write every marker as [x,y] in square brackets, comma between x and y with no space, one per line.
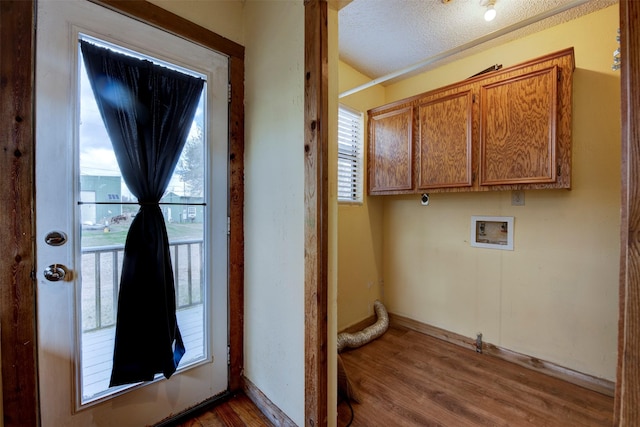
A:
[97,350]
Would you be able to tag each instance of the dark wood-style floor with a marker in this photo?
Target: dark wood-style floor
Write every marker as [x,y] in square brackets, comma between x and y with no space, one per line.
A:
[406,378]
[238,411]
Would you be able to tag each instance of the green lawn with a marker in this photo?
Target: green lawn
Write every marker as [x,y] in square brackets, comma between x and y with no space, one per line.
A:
[116,234]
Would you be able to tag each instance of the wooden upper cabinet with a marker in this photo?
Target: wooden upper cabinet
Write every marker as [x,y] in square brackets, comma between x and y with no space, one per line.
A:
[525,125]
[445,141]
[511,128]
[518,129]
[391,151]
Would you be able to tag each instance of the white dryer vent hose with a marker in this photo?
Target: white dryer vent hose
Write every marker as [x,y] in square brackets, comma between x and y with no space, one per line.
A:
[368,334]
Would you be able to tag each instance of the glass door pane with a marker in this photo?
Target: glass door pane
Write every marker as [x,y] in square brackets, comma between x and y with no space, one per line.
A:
[106,209]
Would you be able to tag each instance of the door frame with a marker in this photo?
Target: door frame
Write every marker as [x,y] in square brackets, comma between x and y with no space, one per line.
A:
[316,208]
[17,169]
[17,253]
[628,373]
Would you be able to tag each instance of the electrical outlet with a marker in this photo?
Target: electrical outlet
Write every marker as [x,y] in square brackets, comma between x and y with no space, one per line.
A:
[517,198]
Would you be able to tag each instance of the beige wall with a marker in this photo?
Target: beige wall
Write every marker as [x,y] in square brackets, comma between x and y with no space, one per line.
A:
[273,36]
[224,17]
[274,202]
[359,225]
[555,296]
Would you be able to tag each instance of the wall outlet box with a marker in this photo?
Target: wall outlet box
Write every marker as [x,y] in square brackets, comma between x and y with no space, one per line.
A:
[493,232]
[517,198]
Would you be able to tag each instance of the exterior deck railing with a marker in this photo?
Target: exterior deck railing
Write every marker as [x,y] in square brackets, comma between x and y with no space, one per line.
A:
[101,269]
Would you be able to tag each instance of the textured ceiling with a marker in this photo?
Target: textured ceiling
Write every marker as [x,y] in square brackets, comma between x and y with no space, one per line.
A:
[380,37]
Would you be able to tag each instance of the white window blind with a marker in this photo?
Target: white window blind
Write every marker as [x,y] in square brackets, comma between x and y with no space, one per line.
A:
[350,155]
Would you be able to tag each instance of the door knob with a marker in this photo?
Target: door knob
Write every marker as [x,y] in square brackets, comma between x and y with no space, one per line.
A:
[55,272]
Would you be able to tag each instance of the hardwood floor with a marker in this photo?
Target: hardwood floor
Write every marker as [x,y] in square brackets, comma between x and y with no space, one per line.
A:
[406,378]
[239,411]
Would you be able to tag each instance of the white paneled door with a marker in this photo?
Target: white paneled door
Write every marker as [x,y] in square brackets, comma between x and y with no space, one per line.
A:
[83,211]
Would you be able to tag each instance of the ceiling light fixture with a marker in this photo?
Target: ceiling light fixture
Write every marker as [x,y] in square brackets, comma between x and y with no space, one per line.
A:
[490,13]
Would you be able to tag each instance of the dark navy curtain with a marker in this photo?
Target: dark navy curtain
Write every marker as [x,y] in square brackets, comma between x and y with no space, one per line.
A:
[147,110]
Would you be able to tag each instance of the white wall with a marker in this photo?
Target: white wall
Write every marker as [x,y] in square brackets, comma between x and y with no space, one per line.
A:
[274,202]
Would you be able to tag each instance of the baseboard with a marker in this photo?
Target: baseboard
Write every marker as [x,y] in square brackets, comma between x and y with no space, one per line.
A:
[266,406]
[356,327]
[599,385]
[433,331]
[188,414]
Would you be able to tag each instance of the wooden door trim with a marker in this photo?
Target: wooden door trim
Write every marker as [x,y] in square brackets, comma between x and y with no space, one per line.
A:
[170,22]
[161,18]
[628,372]
[17,192]
[316,202]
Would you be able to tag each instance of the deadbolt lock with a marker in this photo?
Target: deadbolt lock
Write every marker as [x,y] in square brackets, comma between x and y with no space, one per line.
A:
[55,238]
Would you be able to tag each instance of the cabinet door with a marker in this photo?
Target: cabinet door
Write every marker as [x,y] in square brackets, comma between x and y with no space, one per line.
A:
[518,129]
[444,157]
[391,152]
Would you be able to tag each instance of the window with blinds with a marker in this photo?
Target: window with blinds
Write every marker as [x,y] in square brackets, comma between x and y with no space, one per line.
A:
[350,155]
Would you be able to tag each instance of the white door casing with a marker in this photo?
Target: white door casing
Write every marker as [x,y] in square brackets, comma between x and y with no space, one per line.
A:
[57,195]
